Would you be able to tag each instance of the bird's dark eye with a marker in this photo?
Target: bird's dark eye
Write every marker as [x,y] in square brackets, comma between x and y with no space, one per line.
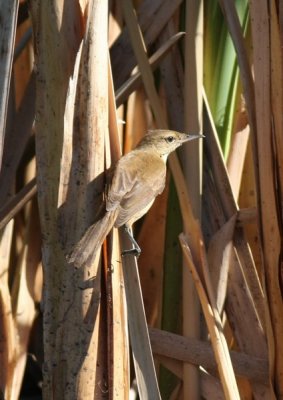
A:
[170,139]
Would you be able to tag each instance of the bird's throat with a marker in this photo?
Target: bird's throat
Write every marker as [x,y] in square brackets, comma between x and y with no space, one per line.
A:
[164,157]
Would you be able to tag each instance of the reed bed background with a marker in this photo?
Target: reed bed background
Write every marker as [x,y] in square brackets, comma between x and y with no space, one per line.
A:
[81,82]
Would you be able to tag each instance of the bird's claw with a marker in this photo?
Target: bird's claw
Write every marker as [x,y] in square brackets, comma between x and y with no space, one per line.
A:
[134,252]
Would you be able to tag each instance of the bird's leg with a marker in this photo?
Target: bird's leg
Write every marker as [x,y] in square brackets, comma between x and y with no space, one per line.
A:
[136,250]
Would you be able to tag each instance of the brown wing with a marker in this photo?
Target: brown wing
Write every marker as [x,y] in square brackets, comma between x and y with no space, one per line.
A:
[139,177]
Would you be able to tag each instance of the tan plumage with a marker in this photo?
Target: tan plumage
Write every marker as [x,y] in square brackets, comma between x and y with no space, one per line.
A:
[138,178]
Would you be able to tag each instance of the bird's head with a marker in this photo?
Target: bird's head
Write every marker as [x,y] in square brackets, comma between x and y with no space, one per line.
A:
[164,141]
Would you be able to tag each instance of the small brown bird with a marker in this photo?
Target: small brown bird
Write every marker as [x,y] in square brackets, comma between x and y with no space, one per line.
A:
[138,178]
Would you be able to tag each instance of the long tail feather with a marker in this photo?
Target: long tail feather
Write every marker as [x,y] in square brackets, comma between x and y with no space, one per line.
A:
[85,250]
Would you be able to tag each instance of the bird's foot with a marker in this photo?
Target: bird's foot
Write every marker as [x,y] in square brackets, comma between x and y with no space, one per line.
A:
[136,250]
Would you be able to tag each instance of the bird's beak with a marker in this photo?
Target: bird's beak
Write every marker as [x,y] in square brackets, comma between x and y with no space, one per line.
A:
[192,137]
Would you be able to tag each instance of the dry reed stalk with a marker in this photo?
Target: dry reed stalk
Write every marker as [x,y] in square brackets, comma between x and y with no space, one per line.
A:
[23,60]
[213,321]
[74,322]
[264,24]
[152,18]
[144,367]
[7,40]
[197,352]
[244,291]
[25,286]
[134,81]
[192,165]
[7,356]
[141,349]
[118,336]
[237,156]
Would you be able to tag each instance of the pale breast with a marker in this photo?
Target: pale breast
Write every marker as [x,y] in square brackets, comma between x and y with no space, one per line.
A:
[139,177]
